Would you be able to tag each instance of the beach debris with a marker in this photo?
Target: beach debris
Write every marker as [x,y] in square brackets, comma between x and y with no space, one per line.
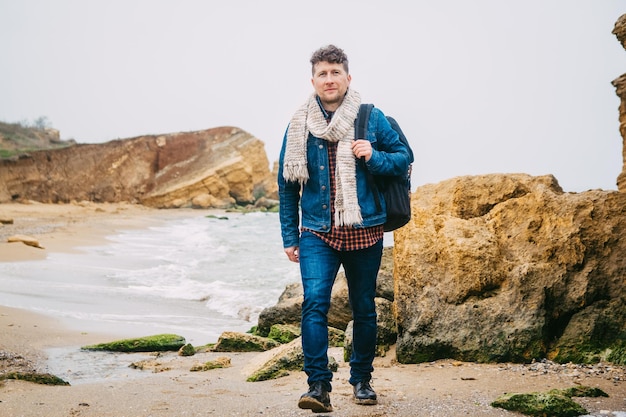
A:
[187,350]
[284,333]
[554,403]
[27,240]
[14,361]
[6,220]
[156,343]
[243,342]
[37,378]
[221,362]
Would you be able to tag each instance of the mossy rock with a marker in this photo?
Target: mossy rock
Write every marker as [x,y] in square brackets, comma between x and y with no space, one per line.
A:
[279,367]
[336,337]
[583,354]
[580,391]
[243,342]
[187,350]
[205,348]
[617,355]
[286,358]
[284,333]
[279,362]
[221,362]
[540,404]
[333,365]
[156,343]
[37,378]
[586,353]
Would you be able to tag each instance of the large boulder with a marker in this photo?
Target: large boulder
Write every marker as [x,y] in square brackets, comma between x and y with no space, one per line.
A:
[510,268]
[214,167]
[288,309]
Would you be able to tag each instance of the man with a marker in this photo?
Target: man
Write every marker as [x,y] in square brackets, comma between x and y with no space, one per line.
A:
[322,174]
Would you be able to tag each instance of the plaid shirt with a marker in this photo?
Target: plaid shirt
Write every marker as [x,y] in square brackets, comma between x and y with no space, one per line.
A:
[345,238]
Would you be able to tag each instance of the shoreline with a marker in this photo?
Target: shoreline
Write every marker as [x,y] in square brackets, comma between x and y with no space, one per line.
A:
[441,388]
[168,387]
[67,227]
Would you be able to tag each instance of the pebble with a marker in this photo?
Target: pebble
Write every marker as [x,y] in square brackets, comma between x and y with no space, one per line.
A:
[607,371]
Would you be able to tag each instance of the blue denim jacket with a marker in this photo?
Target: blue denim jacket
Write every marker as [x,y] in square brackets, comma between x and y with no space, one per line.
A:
[389,157]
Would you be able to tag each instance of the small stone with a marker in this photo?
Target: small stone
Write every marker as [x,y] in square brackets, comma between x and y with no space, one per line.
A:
[187,350]
[27,240]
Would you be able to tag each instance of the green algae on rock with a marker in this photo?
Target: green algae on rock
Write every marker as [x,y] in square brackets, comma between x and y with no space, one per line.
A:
[187,350]
[580,391]
[156,343]
[291,359]
[284,333]
[221,362]
[540,404]
[37,378]
[554,403]
[243,342]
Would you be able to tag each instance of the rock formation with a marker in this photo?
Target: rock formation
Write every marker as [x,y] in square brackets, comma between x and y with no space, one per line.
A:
[620,87]
[211,168]
[288,310]
[510,268]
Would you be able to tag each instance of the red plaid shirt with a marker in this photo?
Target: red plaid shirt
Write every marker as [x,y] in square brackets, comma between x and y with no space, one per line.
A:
[345,238]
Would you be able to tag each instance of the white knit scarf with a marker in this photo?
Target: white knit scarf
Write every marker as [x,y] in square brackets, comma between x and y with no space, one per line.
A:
[309,118]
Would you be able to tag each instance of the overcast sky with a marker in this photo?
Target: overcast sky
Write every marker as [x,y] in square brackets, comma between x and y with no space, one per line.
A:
[482,86]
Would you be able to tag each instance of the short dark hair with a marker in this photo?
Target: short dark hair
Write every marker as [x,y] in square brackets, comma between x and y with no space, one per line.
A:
[330,54]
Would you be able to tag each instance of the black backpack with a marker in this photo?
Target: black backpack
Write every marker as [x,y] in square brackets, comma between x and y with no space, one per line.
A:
[396,190]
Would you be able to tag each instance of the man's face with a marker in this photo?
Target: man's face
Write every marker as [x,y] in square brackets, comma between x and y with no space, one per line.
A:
[330,82]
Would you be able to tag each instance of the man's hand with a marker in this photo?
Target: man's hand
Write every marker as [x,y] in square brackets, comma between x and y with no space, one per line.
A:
[362,148]
[293,253]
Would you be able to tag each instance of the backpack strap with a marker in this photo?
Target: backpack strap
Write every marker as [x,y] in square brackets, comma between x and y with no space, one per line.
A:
[362,119]
[360,132]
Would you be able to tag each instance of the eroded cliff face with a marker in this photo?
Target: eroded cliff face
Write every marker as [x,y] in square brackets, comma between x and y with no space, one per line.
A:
[510,268]
[620,87]
[210,168]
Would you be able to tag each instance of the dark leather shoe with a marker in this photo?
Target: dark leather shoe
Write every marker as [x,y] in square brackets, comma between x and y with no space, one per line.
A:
[316,399]
[364,394]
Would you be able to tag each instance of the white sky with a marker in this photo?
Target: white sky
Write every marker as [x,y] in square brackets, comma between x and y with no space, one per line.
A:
[482,86]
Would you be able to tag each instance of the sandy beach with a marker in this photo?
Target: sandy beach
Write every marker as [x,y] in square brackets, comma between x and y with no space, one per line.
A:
[170,388]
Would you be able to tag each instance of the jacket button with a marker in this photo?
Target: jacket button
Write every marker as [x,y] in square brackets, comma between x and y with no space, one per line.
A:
[324,206]
[321,146]
[324,227]
[322,167]
[323,188]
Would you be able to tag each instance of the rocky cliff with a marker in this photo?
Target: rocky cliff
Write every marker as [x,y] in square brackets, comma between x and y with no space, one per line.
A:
[620,87]
[511,268]
[211,168]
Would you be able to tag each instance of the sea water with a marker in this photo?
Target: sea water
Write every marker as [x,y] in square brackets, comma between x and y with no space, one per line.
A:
[195,276]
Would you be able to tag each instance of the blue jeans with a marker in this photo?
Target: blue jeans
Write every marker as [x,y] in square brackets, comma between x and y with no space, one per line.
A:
[319,264]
